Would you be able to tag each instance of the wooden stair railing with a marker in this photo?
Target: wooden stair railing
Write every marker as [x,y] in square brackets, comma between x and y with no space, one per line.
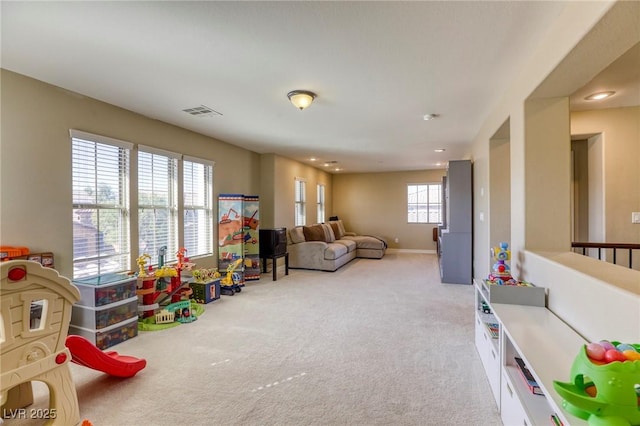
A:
[614,246]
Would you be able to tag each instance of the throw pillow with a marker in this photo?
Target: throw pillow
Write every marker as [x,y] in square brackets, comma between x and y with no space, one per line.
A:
[296,234]
[328,233]
[338,231]
[313,233]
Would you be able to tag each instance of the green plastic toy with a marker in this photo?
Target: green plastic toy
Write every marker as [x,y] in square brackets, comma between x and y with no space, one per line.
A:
[603,394]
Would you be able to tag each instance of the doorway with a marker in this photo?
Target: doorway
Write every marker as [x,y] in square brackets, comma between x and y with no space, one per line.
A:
[587,190]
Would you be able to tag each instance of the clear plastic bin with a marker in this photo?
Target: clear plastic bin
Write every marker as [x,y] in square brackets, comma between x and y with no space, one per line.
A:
[104,316]
[108,336]
[103,293]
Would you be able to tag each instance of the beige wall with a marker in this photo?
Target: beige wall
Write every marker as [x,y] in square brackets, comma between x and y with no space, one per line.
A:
[620,129]
[547,175]
[35,160]
[500,191]
[285,173]
[580,43]
[267,184]
[376,203]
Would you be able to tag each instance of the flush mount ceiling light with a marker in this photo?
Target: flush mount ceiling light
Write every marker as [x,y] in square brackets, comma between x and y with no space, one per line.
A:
[301,98]
[428,117]
[599,96]
[439,150]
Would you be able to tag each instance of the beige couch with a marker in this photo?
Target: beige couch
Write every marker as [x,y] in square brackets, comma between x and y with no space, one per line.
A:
[327,246]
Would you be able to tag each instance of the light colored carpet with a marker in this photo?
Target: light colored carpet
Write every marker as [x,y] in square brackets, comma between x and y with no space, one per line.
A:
[378,342]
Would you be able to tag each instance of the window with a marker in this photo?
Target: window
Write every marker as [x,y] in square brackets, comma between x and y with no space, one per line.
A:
[320,203]
[157,203]
[100,194]
[198,207]
[170,189]
[300,199]
[424,203]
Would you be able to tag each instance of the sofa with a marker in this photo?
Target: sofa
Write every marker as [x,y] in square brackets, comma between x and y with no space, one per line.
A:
[327,246]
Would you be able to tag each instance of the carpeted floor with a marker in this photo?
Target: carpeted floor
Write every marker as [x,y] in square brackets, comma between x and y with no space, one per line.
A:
[378,342]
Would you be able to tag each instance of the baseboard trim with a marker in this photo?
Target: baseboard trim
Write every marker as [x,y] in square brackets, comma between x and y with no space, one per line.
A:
[395,250]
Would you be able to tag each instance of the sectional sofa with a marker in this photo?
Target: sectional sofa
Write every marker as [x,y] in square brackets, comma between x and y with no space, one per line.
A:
[327,246]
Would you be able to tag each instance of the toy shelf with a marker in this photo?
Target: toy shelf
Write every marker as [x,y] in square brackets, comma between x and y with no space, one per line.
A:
[545,343]
[487,345]
[548,347]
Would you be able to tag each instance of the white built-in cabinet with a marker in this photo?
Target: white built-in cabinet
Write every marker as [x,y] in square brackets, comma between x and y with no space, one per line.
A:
[548,347]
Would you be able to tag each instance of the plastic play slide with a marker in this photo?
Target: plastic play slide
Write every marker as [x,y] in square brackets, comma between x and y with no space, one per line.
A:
[85,353]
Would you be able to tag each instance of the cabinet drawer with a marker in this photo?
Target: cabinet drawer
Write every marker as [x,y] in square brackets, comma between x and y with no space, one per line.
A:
[480,341]
[489,356]
[493,372]
[511,409]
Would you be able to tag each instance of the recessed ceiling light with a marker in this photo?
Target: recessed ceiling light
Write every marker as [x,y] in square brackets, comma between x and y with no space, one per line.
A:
[599,96]
[313,159]
[439,150]
[428,117]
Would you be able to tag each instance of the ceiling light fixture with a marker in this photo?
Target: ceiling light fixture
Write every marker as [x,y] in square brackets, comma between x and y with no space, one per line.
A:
[301,98]
[439,150]
[600,95]
[430,117]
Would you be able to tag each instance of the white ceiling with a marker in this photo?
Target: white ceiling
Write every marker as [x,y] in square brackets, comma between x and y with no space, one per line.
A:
[377,68]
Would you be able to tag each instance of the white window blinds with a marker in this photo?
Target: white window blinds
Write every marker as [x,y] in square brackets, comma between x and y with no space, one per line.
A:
[198,207]
[157,203]
[300,201]
[424,203]
[321,203]
[100,194]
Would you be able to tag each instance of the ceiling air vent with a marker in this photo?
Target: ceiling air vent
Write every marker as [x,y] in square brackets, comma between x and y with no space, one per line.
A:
[201,111]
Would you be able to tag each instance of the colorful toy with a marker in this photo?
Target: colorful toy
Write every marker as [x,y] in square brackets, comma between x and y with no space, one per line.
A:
[9,252]
[229,284]
[204,275]
[142,262]
[85,353]
[605,386]
[164,299]
[151,323]
[501,271]
[182,311]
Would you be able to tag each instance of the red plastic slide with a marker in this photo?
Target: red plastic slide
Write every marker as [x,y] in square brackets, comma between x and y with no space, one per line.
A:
[85,353]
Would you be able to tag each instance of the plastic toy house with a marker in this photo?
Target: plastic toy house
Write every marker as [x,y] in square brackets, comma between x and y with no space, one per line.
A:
[36,309]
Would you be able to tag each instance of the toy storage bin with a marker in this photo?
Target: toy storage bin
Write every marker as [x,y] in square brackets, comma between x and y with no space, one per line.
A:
[104,316]
[108,336]
[102,291]
[514,294]
[206,292]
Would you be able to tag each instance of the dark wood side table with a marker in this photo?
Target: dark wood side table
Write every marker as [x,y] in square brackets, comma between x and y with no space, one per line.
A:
[274,264]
